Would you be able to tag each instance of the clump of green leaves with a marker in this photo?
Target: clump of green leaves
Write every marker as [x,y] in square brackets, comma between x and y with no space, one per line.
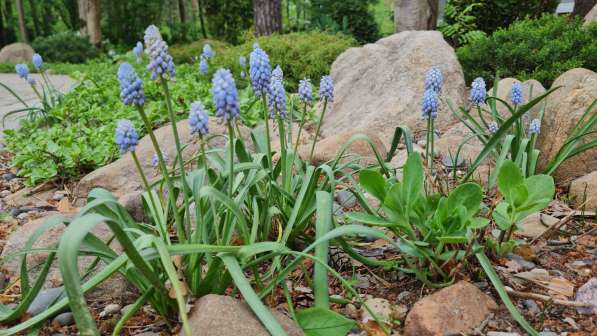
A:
[541,49]
[434,231]
[67,47]
[463,28]
[521,198]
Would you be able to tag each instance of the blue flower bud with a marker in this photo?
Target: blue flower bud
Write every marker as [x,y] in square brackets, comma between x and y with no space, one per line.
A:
[277,74]
[277,99]
[516,94]
[492,127]
[208,52]
[326,88]
[126,136]
[242,60]
[535,126]
[22,70]
[131,86]
[160,61]
[478,91]
[259,71]
[305,91]
[198,119]
[430,104]
[138,51]
[434,80]
[37,61]
[225,95]
[203,66]
[31,80]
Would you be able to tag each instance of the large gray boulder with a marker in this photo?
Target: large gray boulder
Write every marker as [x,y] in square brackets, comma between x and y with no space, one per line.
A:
[381,85]
[578,90]
[16,53]
[591,16]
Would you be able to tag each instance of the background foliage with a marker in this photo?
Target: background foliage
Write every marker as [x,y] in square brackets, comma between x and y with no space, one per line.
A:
[541,49]
[228,19]
[67,47]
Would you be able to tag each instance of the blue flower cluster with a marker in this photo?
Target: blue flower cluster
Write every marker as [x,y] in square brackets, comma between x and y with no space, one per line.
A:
[516,94]
[535,126]
[23,71]
[131,86]
[127,137]
[492,127]
[277,74]
[478,91]
[138,51]
[225,95]
[160,61]
[305,91]
[208,52]
[434,80]
[37,61]
[430,104]
[326,88]
[259,70]
[198,119]
[203,66]
[276,99]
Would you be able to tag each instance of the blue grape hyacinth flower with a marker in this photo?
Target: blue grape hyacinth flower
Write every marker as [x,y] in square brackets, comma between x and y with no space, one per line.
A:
[277,74]
[277,99]
[138,51]
[535,126]
[326,88]
[434,80]
[430,104]
[208,52]
[131,86]
[160,61]
[305,91]
[516,94]
[225,95]
[126,137]
[492,127]
[198,119]
[38,61]
[259,71]
[22,70]
[242,60]
[203,66]
[478,91]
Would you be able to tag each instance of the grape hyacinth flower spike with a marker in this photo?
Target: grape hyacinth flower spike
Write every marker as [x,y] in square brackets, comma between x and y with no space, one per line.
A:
[37,61]
[138,51]
[22,70]
[160,61]
[434,80]
[259,71]
[242,60]
[305,91]
[208,52]
[126,137]
[277,98]
[478,91]
[516,94]
[131,86]
[225,95]
[429,106]
[198,119]
[277,74]
[492,127]
[203,66]
[535,126]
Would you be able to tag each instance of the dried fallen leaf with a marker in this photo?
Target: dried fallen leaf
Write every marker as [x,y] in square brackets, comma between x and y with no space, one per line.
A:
[64,206]
[556,286]
[372,328]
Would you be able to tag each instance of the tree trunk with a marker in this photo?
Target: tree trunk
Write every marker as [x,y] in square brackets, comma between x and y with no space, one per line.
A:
[36,22]
[90,16]
[21,15]
[415,14]
[583,7]
[83,8]
[182,11]
[268,16]
[201,19]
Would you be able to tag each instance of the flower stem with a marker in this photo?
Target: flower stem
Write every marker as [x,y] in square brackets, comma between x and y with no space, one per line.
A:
[149,191]
[165,173]
[231,159]
[267,134]
[303,119]
[325,105]
[283,152]
[178,150]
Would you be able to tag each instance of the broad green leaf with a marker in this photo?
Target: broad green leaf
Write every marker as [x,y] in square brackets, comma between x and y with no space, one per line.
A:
[509,179]
[468,195]
[540,187]
[501,216]
[323,322]
[374,183]
[413,179]
[368,219]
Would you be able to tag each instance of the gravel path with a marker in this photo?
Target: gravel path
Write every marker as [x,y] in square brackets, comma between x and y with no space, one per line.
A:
[9,103]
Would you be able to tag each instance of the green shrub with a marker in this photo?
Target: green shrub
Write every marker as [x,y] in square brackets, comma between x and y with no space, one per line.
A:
[188,52]
[541,49]
[227,19]
[348,16]
[490,15]
[67,47]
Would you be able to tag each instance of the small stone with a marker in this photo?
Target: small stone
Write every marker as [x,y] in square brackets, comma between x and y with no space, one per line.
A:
[402,296]
[126,308]
[44,300]
[22,215]
[572,323]
[9,176]
[531,306]
[352,311]
[337,209]
[502,333]
[110,309]
[379,307]
[399,312]
[534,225]
[65,319]
[587,293]
[59,195]
[17,211]
[548,333]
[346,199]
[521,262]
[5,193]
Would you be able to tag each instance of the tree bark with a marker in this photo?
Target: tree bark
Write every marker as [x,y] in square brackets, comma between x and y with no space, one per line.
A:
[415,14]
[90,20]
[21,15]
[182,11]
[36,22]
[268,16]
[83,8]
[583,7]
[201,19]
